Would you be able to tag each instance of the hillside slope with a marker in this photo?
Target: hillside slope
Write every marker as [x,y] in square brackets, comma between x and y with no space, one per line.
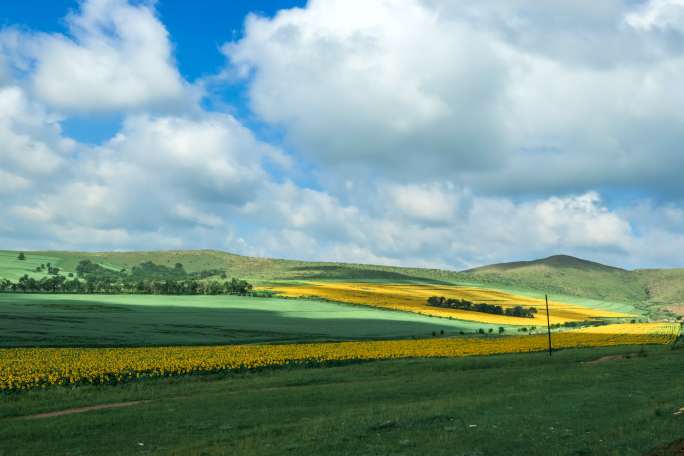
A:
[567,275]
[251,268]
[559,274]
[650,289]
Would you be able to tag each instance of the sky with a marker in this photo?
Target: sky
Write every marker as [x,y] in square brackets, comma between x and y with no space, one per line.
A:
[422,133]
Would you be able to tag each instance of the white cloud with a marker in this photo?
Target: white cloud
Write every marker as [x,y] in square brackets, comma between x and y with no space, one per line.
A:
[31,144]
[579,221]
[394,85]
[117,56]
[440,135]
[197,216]
[658,14]
[11,183]
[426,203]
[486,94]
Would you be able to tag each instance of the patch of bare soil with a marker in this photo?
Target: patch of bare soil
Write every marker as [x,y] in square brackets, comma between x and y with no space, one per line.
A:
[90,408]
[675,448]
[679,310]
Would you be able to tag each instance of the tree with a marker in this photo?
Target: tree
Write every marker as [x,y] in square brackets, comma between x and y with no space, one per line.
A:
[21,256]
[501,329]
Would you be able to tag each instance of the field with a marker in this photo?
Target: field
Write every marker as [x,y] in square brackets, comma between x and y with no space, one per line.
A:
[650,291]
[39,367]
[201,374]
[529,404]
[135,320]
[12,269]
[412,298]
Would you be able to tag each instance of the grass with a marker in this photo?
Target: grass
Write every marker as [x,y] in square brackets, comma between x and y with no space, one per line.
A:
[650,291]
[12,268]
[136,320]
[511,404]
[566,275]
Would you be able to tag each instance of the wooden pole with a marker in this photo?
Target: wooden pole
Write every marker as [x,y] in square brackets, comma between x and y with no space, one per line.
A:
[548,322]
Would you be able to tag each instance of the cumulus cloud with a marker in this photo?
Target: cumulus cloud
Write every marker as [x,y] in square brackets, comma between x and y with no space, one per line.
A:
[417,133]
[426,203]
[163,171]
[483,229]
[515,97]
[117,56]
[395,86]
[31,144]
[658,14]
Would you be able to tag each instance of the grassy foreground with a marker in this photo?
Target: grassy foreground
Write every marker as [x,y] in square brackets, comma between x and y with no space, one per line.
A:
[510,404]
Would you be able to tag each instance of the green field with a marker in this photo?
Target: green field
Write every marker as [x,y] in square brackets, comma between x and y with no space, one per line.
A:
[514,404]
[649,291]
[130,320]
[11,268]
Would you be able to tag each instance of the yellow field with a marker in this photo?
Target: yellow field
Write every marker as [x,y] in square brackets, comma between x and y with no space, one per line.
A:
[635,329]
[25,368]
[413,297]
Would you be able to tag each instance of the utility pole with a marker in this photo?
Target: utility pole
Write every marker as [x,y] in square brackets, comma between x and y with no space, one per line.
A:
[548,322]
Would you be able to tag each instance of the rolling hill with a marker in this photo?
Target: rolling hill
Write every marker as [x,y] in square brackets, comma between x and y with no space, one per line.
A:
[655,290]
[567,275]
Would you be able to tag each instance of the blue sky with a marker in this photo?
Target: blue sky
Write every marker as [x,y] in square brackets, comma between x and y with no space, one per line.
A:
[412,132]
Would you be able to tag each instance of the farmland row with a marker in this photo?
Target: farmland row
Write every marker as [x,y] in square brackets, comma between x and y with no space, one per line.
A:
[413,298]
[26,368]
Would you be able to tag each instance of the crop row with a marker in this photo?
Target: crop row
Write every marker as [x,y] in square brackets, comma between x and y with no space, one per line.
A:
[413,298]
[26,368]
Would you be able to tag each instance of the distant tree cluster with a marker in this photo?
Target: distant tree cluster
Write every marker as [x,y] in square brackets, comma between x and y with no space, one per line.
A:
[47,267]
[146,278]
[580,324]
[463,304]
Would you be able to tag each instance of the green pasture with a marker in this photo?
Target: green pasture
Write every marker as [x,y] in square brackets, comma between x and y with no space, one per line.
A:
[131,320]
[12,269]
[529,404]
[567,279]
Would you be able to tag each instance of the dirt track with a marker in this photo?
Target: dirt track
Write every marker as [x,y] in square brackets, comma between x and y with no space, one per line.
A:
[72,411]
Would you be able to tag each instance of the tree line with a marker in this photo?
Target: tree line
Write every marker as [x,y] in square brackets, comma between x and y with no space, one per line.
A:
[61,284]
[463,304]
[146,278]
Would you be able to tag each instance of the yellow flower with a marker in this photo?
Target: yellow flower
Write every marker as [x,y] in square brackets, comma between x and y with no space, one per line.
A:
[24,368]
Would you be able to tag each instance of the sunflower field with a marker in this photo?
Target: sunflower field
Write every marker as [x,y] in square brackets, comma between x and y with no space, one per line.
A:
[26,368]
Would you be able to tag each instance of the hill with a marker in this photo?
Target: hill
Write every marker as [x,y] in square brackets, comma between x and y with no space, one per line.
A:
[650,290]
[653,289]
[567,275]
[252,268]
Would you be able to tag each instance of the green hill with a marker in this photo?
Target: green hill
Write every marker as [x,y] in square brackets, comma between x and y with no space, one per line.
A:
[567,275]
[252,268]
[649,290]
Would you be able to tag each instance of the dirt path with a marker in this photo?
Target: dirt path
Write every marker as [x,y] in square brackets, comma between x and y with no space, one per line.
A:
[603,359]
[72,411]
